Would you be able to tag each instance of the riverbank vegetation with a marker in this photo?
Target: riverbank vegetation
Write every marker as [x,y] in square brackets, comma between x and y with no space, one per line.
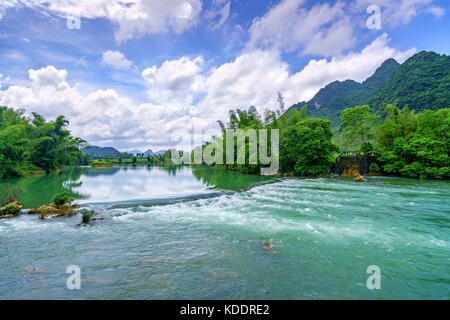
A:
[35,145]
[403,143]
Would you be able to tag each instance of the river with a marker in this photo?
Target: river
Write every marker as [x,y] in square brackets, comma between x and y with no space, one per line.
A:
[196,233]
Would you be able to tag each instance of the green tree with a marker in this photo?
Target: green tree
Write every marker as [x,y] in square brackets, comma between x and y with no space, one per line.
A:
[425,152]
[398,123]
[357,128]
[306,147]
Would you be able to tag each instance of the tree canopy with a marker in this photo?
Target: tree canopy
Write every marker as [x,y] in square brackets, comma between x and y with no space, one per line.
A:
[34,144]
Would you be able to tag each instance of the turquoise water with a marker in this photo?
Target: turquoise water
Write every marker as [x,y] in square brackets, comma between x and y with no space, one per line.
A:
[324,233]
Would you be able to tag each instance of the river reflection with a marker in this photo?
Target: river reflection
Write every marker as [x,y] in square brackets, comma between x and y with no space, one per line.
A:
[139,184]
[129,184]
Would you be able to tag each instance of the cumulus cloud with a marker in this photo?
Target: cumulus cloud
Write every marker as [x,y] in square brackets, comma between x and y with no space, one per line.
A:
[328,29]
[397,12]
[251,79]
[323,29]
[357,66]
[48,93]
[175,81]
[255,77]
[132,18]
[104,117]
[117,60]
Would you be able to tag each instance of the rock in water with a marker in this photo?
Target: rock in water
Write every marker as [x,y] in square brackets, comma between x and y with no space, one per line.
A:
[52,210]
[10,210]
[360,178]
[33,270]
[266,245]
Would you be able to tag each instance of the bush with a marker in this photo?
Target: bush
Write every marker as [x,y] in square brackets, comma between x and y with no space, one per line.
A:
[373,168]
[87,214]
[8,195]
[62,199]
[306,147]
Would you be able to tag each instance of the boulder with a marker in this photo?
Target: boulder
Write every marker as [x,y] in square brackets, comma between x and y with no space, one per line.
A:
[52,210]
[266,245]
[10,210]
[360,178]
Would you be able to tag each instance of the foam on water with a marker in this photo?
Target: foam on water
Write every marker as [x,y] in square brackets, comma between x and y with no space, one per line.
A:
[324,233]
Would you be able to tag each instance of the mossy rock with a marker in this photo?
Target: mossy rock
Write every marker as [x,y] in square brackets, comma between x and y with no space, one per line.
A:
[10,210]
[359,178]
[52,210]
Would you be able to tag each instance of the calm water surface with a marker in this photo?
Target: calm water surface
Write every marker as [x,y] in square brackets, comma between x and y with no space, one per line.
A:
[196,234]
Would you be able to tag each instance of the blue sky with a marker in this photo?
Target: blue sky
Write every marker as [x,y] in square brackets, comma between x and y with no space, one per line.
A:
[138,70]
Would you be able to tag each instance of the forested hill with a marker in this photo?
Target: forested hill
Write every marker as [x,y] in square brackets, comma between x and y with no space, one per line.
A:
[331,100]
[101,153]
[422,82]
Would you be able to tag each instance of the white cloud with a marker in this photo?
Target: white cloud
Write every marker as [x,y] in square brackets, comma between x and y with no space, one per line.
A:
[221,11]
[397,12]
[117,60]
[7,4]
[436,11]
[175,80]
[357,66]
[48,93]
[328,29]
[104,117]
[132,18]
[251,79]
[324,29]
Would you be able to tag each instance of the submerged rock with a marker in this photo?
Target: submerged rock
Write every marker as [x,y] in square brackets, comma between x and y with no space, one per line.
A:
[10,210]
[33,270]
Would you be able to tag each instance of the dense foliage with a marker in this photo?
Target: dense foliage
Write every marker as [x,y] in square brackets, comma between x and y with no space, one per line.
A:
[306,147]
[420,148]
[422,82]
[357,126]
[404,143]
[28,145]
[305,144]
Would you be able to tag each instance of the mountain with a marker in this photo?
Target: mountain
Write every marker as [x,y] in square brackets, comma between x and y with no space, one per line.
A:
[149,152]
[422,82]
[331,100]
[134,152]
[101,153]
